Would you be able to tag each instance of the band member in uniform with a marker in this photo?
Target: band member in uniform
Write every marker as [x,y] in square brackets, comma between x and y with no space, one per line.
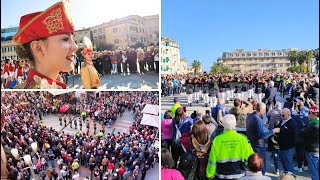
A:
[206,95]
[60,119]
[80,124]
[189,89]
[94,127]
[89,75]
[88,127]
[65,121]
[70,122]
[196,90]
[45,40]
[75,123]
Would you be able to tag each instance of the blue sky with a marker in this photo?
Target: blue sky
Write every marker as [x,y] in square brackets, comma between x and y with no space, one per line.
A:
[205,29]
[86,13]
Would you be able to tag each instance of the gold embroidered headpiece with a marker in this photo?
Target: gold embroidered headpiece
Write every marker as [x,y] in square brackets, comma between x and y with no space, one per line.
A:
[54,20]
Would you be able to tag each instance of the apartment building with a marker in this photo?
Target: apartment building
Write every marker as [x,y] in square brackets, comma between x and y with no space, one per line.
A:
[170,60]
[248,61]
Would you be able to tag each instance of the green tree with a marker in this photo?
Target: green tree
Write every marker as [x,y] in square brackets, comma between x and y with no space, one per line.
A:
[315,53]
[220,68]
[293,57]
[308,57]
[196,65]
[301,57]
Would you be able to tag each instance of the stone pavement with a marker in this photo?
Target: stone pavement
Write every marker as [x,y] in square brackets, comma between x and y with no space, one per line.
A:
[150,80]
[121,125]
[167,102]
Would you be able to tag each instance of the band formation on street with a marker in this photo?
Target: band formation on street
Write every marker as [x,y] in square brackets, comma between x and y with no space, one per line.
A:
[159,89]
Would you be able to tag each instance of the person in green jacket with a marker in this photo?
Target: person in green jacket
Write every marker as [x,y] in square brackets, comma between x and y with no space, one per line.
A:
[174,108]
[229,152]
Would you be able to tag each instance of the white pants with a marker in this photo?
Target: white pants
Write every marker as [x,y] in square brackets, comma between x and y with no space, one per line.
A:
[197,96]
[200,94]
[206,98]
[213,101]
[232,94]
[222,96]
[238,95]
[114,68]
[258,97]
[228,95]
[190,96]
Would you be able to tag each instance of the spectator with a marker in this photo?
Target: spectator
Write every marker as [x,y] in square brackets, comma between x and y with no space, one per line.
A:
[220,161]
[255,164]
[167,165]
[256,133]
[175,106]
[286,139]
[311,142]
[211,126]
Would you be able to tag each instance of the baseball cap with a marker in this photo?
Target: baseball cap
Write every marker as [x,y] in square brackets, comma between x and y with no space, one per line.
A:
[313,109]
[176,99]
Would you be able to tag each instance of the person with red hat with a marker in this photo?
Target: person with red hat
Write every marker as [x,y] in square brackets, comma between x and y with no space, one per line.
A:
[45,40]
[89,75]
[310,134]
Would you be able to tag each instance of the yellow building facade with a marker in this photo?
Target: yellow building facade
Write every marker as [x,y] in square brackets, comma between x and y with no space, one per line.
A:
[250,61]
[79,34]
[127,31]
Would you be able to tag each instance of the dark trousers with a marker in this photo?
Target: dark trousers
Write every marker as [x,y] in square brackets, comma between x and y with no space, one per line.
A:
[150,65]
[157,66]
[107,67]
[125,67]
[119,67]
[300,156]
[142,64]
[132,66]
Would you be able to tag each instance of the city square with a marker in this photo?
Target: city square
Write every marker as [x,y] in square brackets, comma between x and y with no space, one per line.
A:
[58,115]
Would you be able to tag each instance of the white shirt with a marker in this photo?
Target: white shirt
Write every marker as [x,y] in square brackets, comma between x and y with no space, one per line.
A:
[76,177]
[284,121]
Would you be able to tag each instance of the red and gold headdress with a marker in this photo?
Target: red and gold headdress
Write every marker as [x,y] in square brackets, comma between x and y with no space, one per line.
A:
[87,46]
[54,20]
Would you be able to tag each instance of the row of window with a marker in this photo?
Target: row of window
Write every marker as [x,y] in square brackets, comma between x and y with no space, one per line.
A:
[257,54]
[260,59]
[8,49]
[9,57]
[264,65]
[134,28]
[80,34]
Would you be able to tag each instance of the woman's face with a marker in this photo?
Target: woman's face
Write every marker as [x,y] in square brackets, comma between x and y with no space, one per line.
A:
[60,51]
[89,56]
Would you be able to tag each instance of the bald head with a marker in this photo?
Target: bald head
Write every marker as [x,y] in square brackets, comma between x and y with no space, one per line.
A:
[285,114]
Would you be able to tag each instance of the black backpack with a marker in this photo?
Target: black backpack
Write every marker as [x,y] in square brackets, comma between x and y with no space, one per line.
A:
[188,165]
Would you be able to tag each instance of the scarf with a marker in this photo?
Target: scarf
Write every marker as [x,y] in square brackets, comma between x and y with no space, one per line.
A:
[88,62]
[200,149]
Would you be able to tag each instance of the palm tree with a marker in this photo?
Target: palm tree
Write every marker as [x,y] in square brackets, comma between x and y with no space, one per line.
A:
[196,65]
[315,53]
[293,55]
[301,57]
[308,57]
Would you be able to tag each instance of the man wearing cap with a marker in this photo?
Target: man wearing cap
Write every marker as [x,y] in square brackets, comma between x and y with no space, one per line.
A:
[311,142]
[175,106]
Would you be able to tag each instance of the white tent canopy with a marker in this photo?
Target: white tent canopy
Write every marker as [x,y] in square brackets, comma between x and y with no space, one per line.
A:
[151,109]
[150,115]
[150,120]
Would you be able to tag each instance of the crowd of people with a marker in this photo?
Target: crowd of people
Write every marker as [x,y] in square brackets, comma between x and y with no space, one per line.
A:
[125,62]
[232,141]
[60,155]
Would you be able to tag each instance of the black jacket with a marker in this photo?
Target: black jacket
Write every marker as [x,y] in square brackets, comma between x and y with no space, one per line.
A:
[310,134]
[287,136]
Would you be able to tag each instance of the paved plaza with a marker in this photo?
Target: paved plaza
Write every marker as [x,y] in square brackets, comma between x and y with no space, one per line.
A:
[121,125]
[150,80]
[167,102]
